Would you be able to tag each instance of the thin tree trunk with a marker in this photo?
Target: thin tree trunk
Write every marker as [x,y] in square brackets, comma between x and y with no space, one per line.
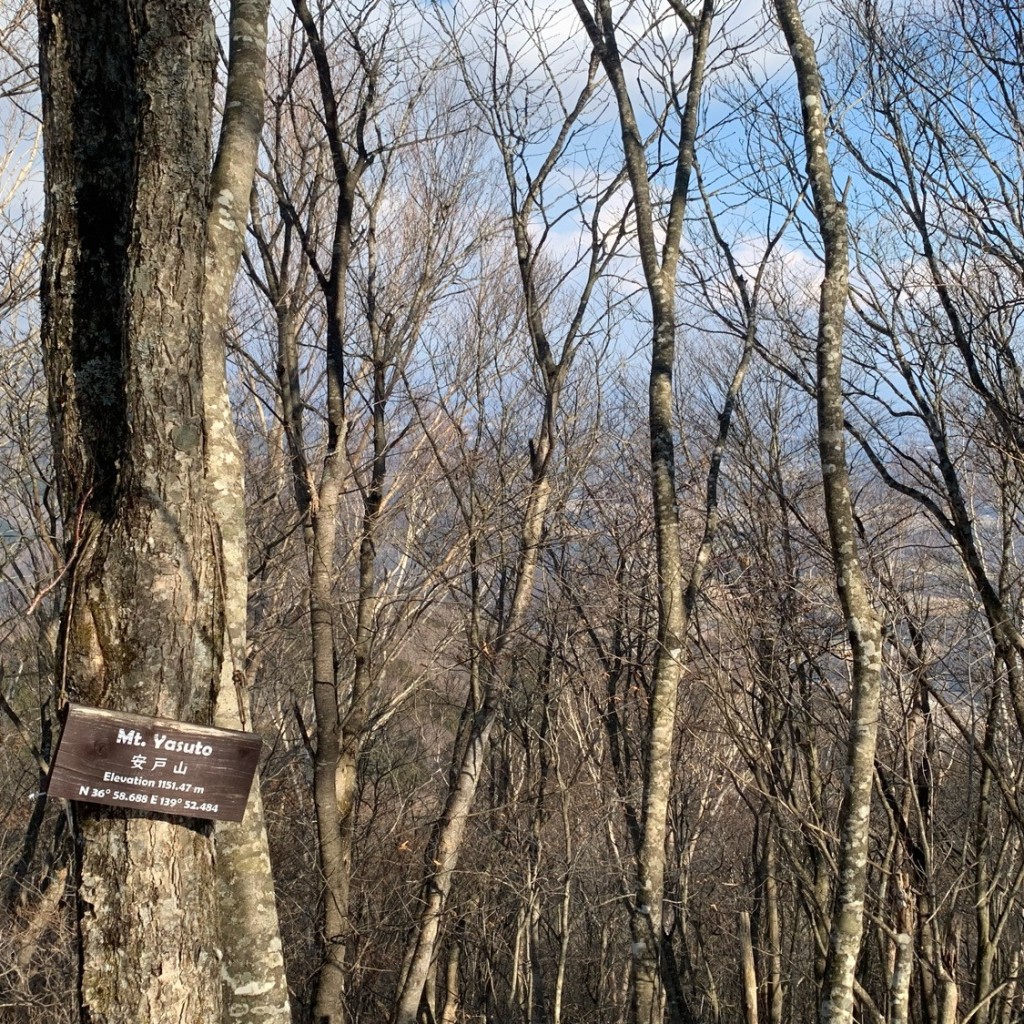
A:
[252,971]
[950,999]
[1009,995]
[328,1007]
[776,994]
[903,969]
[903,958]
[749,970]
[334,762]
[659,263]
[985,947]
[481,708]
[444,858]
[863,627]
[565,900]
[481,713]
[450,1011]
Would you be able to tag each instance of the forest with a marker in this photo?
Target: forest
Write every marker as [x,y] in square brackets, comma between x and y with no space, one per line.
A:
[610,415]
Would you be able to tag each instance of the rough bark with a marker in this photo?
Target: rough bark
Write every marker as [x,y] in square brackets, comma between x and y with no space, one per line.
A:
[863,628]
[127,106]
[252,970]
[899,987]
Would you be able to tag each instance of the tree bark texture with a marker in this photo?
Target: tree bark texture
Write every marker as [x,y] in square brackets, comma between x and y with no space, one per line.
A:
[863,627]
[127,107]
[252,972]
[659,259]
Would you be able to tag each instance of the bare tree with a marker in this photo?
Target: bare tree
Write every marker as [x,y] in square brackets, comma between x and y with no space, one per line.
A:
[863,625]
[253,968]
[659,240]
[377,282]
[516,108]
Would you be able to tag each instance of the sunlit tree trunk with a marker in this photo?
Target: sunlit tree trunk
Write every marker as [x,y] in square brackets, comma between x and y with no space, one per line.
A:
[255,988]
[749,969]
[127,107]
[337,734]
[863,628]
[659,257]
[480,714]
[552,360]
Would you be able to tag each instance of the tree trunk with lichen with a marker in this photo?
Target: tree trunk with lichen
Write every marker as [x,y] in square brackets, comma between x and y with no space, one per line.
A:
[127,109]
[863,627]
[655,987]
[255,990]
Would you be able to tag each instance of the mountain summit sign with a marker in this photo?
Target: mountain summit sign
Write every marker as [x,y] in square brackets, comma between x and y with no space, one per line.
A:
[154,765]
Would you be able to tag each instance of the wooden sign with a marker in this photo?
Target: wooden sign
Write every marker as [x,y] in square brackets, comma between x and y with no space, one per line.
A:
[154,765]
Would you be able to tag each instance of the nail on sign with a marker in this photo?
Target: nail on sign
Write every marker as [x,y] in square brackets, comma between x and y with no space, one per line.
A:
[154,764]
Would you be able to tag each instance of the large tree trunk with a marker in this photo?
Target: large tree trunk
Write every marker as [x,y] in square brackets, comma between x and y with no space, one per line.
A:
[127,103]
